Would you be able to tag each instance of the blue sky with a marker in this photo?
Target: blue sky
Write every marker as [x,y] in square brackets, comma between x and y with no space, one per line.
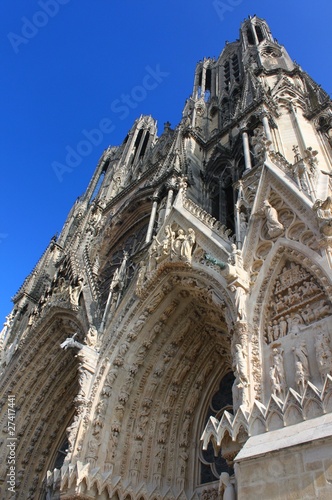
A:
[66,67]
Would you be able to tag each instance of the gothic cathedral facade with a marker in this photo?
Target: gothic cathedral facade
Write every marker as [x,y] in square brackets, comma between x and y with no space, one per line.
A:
[175,340]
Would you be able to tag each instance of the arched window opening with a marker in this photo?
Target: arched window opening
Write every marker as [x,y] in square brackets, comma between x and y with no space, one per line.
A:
[236,68]
[138,138]
[250,37]
[259,33]
[61,454]
[215,202]
[199,90]
[131,244]
[235,100]
[222,200]
[208,79]
[227,73]
[225,109]
[98,186]
[145,143]
[57,463]
[136,145]
[210,466]
[229,216]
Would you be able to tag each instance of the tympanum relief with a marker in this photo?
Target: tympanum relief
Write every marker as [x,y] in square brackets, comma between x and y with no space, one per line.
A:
[297,302]
[298,332]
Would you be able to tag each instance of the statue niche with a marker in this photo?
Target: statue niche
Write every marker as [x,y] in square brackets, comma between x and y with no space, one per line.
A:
[172,245]
[297,300]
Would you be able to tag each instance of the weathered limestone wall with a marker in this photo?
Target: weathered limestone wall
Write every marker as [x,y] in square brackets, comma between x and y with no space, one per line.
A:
[298,472]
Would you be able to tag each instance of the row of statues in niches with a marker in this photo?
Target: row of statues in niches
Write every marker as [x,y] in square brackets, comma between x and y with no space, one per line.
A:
[305,361]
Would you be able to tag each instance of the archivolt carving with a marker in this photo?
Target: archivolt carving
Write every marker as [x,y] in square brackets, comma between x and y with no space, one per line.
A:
[145,368]
[154,385]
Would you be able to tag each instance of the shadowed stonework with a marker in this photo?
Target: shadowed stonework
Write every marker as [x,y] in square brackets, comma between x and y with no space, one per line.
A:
[175,340]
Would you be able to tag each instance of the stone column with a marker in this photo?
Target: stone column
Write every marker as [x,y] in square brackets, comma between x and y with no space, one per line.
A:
[171,185]
[246,149]
[298,130]
[108,303]
[266,126]
[213,82]
[203,81]
[237,227]
[152,220]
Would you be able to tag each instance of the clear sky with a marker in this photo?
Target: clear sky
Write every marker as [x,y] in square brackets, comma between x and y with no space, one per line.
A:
[66,67]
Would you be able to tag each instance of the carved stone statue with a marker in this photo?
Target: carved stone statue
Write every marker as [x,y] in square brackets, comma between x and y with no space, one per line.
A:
[274,227]
[93,448]
[226,488]
[179,246]
[283,326]
[275,385]
[141,276]
[243,225]
[178,242]
[302,372]
[300,376]
[119,275]
[323,355]
[167,243]
[153,255]
[240,302]
[295,322]
[235,259]
[260,144]
[72,432]
[116,186]
[240,364]
[75,291]
[323,211]
[187,245]
[60,289]
[92,336]
[278,371]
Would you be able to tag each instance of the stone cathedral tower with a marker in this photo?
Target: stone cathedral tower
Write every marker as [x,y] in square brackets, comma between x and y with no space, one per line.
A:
[175,341]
